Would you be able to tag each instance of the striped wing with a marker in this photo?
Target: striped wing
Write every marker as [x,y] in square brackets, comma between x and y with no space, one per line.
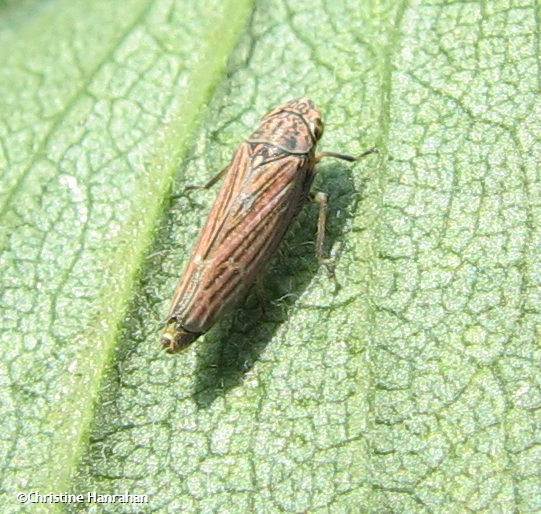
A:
[261,195]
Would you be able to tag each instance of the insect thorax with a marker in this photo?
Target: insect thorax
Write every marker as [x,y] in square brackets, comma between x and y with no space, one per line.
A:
[287,131]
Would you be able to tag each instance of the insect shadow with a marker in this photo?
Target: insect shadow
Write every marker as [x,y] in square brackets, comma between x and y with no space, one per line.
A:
[233,346]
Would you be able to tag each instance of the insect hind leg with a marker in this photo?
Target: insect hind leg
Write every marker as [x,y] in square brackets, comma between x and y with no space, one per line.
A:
[322,199]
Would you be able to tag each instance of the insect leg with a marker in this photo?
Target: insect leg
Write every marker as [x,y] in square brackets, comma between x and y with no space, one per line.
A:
[322,199]
[261,297]
[344,157]
[212,181]
[208,185]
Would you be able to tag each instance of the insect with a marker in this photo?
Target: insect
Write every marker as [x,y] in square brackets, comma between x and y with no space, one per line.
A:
[266,184]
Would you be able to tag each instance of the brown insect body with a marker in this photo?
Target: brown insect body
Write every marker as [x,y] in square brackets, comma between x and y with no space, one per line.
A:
[266,184]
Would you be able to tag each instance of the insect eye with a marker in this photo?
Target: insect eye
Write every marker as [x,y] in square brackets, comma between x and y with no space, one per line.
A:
[318,128]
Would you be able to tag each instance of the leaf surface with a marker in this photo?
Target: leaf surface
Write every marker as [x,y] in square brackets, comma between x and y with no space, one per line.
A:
[412,387]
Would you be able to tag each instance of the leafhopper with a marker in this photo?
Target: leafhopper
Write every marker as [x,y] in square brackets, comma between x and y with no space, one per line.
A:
[266,184]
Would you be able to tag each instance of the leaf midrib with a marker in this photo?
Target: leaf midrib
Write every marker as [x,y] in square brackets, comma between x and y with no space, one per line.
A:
[205,77]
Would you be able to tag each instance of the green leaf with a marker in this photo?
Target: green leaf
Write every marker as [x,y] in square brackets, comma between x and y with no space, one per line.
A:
[412,387]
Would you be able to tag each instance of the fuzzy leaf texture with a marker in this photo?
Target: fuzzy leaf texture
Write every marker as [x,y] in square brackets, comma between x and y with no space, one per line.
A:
[413,386]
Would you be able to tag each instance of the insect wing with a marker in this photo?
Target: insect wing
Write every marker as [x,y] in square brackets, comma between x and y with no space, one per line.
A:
[249,218]
[209,236]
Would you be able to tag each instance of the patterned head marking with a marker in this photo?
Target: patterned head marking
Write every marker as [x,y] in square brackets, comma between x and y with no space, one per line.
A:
[294,126]
[307,109]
